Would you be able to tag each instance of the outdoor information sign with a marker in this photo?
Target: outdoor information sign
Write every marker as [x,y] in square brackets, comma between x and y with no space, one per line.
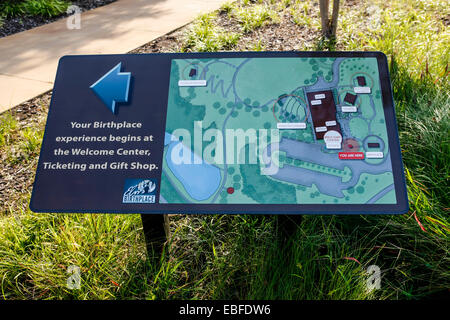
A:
[266,132]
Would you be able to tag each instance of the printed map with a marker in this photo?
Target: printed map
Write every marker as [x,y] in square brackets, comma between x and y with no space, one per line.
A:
[317,124]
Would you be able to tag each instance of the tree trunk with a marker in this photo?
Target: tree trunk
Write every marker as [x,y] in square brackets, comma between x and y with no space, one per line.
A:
[334,18]
[323,5]
[329,26]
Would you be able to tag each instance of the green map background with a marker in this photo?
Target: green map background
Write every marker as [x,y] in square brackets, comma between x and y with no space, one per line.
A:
[241,93]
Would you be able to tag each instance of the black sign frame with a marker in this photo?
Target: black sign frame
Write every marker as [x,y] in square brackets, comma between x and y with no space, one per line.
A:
[95,65]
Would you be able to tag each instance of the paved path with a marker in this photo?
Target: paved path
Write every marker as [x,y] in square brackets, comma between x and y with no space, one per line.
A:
[29,59]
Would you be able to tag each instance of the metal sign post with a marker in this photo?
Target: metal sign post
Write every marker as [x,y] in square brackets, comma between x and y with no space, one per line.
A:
[156,232]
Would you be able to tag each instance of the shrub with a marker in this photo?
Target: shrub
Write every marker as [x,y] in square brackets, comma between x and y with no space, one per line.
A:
[49,8]
[205,36]
[46,8]
[251,18]
[11,8]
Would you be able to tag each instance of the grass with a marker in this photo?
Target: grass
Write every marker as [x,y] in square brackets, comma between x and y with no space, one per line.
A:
[227,7]
[205,36]
[8,129]
[255,16]
[46,8]
[258,46]
[302,14]
[50,243]
[19,144]
[241,257]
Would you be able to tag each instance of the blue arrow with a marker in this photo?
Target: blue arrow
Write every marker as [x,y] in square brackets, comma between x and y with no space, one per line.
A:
[113,87]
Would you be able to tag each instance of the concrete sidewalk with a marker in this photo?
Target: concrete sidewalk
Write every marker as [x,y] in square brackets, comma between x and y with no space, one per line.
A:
[29,59]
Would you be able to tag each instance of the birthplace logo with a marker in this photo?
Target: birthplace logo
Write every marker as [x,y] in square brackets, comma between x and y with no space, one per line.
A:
[139,191]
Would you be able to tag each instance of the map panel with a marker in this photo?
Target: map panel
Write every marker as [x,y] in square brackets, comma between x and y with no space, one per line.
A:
[276,131]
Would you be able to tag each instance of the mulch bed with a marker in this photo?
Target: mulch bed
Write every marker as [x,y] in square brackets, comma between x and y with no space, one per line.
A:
[282,36]
[19,24]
